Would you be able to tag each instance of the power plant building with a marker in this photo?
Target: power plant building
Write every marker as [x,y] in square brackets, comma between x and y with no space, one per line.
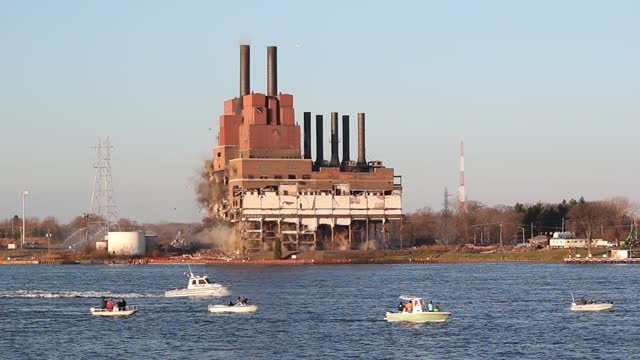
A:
[262,183]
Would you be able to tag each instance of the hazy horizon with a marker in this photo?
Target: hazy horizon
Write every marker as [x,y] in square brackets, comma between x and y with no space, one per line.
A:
[545,95]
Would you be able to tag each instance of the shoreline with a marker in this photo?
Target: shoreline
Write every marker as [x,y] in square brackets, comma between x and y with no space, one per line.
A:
[423,255]
[299,262]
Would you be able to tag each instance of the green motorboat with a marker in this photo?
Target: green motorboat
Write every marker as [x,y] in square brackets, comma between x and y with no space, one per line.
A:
[417,311]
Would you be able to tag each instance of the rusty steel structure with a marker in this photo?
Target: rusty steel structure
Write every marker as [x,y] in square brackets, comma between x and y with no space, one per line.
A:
[268,190]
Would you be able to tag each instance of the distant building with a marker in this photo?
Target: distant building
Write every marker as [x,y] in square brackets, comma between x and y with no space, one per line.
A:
[578,243]
[539,240]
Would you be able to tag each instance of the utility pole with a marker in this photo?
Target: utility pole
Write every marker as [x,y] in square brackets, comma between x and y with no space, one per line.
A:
[500,234]
[24,223]
[445,217]
[532,229]
[49,241]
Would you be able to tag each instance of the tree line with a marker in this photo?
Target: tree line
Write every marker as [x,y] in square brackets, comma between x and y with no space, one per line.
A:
[10,228]
[609,219]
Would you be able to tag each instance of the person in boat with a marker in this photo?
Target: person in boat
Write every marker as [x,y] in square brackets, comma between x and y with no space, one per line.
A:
[239,301]
[103,303]
[400,306]
[430,306]
[582,301]
[436,308]
[110,305]
[230,303]
[245,301]
[122,305]
[409,306]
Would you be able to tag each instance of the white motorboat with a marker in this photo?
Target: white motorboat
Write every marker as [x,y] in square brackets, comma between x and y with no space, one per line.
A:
[232,308]
[418,311]
[590,305]
[199,286]
[126,311]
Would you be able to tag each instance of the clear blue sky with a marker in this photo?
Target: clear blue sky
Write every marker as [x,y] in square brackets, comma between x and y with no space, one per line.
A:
[545,94]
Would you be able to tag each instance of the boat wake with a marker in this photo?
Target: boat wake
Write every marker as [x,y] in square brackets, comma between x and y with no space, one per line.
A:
[71,294]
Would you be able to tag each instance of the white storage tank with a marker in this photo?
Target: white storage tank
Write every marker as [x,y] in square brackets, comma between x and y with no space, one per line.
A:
[126,243]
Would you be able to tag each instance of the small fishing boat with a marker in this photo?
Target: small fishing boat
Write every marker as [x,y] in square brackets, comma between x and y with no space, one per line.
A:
[590,305]
[126,311]
[232,308]
[198,286]
[418,313]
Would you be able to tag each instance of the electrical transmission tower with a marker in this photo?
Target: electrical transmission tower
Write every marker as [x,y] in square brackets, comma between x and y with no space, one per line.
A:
[445,217]
[102,208]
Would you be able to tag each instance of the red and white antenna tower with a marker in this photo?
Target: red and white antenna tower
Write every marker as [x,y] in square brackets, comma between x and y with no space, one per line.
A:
[462,199]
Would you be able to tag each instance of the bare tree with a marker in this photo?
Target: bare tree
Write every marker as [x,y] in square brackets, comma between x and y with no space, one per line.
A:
[589,216]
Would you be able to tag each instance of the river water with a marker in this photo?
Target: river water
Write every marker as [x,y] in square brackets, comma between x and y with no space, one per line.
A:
[499,311]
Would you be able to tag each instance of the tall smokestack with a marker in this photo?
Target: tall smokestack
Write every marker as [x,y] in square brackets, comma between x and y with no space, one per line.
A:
[319,149]
[345,139]
[335,161]
[272,71]
[362,158]
[245,88]
[307,136]
[244,71]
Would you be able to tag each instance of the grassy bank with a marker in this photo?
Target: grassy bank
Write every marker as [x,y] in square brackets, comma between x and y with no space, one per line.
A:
[435,253]
[442,253]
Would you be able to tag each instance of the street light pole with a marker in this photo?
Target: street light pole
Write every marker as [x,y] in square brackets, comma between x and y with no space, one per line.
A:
[24,195]
[49,241]
[500,234]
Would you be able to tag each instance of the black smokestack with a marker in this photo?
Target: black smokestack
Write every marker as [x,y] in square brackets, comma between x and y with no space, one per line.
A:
[319,150]
[362,158]
[345,139]
[307,136]
[272,71]
[335,161]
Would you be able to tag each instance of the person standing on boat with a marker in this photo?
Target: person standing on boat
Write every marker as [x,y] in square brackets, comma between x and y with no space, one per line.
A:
[400,306]
[110,305]
[103,303]
[123,304]
[430,306]
[409,306]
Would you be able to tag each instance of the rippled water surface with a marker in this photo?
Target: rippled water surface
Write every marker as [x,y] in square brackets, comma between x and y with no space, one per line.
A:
[498,311]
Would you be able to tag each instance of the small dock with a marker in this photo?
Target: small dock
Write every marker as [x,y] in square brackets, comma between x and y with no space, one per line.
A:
[593,260]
